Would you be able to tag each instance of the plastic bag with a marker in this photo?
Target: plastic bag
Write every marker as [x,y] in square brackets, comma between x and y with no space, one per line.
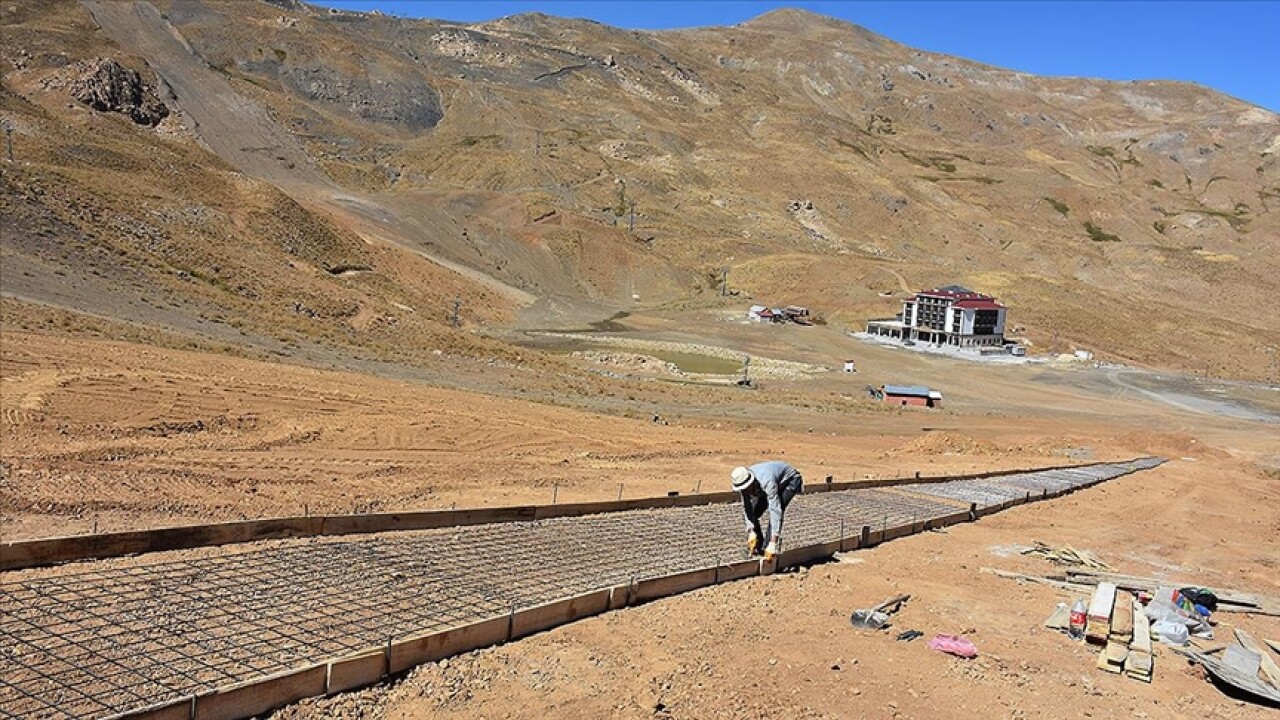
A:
[954,645]
[1171,633]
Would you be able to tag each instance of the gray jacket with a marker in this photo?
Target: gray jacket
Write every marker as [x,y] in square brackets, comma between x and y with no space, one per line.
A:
[778,482]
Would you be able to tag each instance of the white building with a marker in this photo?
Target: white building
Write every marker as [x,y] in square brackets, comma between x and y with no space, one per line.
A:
[950,315]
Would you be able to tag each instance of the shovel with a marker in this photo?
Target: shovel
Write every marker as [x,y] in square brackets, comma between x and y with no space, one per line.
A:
[878,616]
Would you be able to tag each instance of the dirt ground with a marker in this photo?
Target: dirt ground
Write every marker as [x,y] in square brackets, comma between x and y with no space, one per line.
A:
[119,436]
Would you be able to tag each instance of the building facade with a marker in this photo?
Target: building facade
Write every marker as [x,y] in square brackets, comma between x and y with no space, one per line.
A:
[950,315]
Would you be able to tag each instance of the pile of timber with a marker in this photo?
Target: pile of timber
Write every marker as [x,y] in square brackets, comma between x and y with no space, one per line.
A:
[1116,622]
[1066,555]
[1084,581]
[1228,600]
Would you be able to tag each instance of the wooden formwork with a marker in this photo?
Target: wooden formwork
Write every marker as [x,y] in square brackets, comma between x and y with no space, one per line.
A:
[372,664]
[21,554]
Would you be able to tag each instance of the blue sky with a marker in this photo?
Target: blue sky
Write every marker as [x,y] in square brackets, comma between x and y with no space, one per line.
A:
[1233,47]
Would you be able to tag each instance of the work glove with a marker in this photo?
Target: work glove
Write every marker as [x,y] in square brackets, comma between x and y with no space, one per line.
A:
[753,543]
[772,549]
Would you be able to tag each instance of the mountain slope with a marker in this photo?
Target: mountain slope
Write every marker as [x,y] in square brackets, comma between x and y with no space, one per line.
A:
[821,163]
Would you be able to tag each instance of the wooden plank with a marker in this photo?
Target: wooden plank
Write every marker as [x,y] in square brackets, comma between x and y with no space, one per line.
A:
[660,587]
[1104,664]
[1070,587]
[543,617]
[359,671]
[259,696]
[1100,607]
[437,646]
[1139,666]
[1122,618]
[738,571]
[1116,652]
[175,710]
[1228,600]
[1060,619]
[1267,670]
[1141,632]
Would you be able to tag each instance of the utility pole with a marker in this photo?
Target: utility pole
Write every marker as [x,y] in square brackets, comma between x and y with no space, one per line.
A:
[746,371]
[631,226]
[455,319]
[724,281]
[8,138]
[537,146]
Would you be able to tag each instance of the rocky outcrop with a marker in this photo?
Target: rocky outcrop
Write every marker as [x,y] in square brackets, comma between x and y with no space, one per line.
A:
[107,86]
[403,100]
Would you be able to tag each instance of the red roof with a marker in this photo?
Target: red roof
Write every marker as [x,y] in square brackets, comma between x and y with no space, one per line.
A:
[978,304]
[958,297]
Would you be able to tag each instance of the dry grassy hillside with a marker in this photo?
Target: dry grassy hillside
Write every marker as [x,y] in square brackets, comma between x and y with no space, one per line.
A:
[820,162]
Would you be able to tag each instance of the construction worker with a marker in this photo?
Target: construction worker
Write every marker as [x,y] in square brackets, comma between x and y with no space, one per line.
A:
[766,486]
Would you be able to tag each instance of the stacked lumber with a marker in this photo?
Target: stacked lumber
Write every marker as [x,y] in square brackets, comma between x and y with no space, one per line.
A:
[1119,634]
[1228,600]
[1139,665]
[1066,555]
[1099,619]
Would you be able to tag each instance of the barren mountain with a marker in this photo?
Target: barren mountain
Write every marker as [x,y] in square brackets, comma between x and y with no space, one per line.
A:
[335,179]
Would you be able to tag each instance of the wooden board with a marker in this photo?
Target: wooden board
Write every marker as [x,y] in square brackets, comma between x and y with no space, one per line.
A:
[1100,607]
[1139,666]
[1267,670]
[1103,664]
[1122,618]
[1060,619]
[1116,653]
[1228,600]
[1141,632]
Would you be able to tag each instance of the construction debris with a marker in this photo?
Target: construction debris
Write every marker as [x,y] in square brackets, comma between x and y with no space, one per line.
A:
[878,617]
[1066,555]
[1228,600]
[1075,588]
[1228,675]
[1267,669]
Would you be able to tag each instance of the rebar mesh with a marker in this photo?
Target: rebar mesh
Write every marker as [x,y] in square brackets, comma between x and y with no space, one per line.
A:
[116,638]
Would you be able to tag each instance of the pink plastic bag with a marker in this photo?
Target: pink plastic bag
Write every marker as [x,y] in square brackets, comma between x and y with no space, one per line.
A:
[955,645]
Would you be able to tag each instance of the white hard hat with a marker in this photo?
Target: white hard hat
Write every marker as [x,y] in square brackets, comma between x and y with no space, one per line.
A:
[741,478]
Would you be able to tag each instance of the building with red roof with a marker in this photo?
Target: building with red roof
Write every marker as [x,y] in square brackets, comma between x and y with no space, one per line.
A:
[949,315]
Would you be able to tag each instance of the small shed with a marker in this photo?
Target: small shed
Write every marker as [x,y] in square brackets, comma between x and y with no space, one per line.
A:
[911,395]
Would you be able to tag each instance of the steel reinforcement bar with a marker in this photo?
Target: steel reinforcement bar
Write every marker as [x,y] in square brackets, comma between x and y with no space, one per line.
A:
[19,554]
[235,635]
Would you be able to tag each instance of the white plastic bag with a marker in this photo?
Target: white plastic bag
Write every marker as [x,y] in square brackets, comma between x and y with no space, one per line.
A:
[1171,633]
